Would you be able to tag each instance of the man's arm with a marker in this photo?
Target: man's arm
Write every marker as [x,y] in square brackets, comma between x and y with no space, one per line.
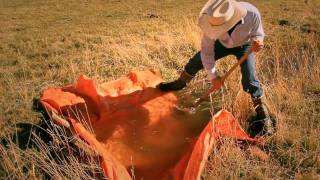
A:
[257,34]
[207,56]
[208,61]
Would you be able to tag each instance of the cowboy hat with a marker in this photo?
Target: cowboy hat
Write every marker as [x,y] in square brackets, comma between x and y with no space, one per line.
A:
[218,16]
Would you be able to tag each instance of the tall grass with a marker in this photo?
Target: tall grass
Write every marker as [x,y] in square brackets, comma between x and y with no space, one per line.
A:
[61,157]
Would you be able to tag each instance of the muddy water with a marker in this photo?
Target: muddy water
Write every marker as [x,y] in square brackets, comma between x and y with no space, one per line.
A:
[150,137]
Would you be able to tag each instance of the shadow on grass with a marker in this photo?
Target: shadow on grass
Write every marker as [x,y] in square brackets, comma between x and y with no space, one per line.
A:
[38,144]
[22,136]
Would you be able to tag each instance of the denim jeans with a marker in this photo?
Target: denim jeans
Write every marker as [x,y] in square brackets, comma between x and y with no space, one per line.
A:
[249,80]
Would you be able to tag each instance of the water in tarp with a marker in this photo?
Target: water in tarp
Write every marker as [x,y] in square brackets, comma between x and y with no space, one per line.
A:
[137,127]
[150,137]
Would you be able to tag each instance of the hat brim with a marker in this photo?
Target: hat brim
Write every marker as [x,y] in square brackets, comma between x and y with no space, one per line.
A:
[213,32]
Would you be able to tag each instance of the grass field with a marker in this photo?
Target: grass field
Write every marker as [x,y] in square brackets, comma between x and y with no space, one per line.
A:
[50,43]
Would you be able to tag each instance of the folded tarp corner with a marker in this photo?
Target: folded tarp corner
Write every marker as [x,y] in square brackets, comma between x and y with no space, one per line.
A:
[133,125]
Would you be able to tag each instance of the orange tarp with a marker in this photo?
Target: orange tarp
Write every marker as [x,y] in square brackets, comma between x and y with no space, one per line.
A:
[136,128]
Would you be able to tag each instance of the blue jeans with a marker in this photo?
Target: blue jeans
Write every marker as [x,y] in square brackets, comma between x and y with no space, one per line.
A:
[249,80]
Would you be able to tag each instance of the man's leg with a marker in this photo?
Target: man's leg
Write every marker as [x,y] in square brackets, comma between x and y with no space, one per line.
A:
[252,86]
[193,66]
[249,80]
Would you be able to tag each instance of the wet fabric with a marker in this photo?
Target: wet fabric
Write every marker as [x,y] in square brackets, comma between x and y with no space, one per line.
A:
[137,130]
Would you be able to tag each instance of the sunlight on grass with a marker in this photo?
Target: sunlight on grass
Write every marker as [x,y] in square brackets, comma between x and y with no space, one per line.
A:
[50,43]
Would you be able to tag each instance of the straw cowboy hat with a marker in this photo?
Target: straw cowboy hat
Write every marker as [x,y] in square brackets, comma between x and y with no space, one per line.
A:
[218,16]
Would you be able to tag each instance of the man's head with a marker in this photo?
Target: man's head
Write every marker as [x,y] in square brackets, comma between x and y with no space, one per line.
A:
[219,16]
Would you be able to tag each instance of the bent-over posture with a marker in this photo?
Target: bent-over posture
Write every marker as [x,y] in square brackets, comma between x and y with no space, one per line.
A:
[229,28]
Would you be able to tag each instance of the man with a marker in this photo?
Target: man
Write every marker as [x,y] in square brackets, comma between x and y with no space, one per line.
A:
[228,27]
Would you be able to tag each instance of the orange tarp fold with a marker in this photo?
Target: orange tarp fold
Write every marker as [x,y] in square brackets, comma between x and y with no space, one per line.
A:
[137,130]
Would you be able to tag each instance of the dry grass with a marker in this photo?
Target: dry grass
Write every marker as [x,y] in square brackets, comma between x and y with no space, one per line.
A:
[58,158]
[50,43]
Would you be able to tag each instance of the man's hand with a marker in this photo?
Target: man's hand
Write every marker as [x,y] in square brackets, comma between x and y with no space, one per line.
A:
[257,45]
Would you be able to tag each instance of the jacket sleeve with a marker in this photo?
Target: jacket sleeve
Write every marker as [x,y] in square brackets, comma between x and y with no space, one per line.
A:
[207,56]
